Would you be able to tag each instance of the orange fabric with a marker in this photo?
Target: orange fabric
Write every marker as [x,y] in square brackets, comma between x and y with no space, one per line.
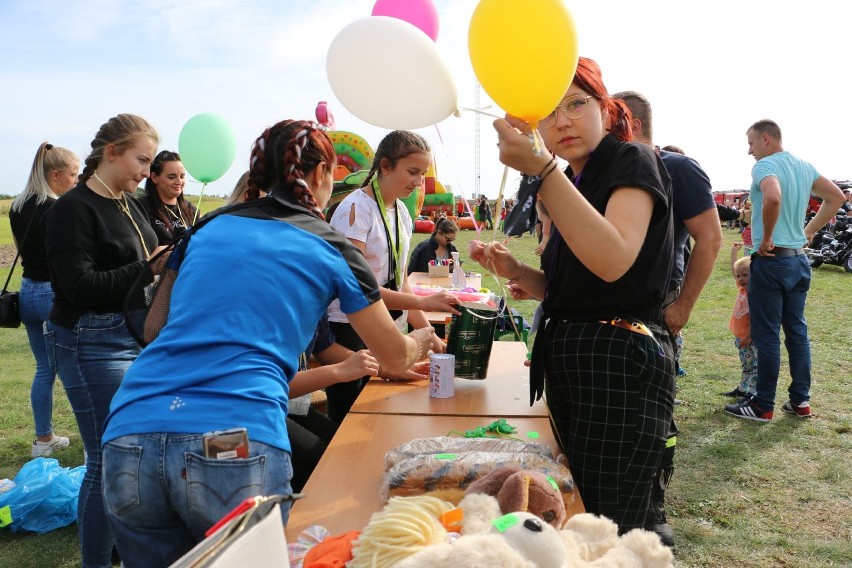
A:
[333,552]
[740,320]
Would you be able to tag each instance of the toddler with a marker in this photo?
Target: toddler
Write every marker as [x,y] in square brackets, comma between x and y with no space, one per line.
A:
[741,328]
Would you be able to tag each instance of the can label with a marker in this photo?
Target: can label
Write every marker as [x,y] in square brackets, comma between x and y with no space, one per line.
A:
[442,374]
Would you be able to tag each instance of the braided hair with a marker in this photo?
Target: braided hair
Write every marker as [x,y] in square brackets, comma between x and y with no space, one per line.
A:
[153,196]
[122,131]
[395,146]
[283,155]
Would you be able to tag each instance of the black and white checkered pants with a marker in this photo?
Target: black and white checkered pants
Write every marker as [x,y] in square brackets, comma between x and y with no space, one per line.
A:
[610,393]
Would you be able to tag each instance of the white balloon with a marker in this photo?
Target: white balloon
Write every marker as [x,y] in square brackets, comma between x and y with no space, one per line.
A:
[389,73]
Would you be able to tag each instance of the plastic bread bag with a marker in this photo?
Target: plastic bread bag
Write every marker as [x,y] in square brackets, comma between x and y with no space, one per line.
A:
[447,475]
[455,445]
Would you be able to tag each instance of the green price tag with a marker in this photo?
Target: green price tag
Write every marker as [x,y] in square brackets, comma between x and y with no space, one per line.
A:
[553,483]
[532,435]
[5,516]
[505,522]
[446,456]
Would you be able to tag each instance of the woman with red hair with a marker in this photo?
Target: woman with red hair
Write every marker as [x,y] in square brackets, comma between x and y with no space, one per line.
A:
[603,355]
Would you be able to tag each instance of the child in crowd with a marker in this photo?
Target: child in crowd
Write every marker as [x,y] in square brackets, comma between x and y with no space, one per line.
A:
[740,327]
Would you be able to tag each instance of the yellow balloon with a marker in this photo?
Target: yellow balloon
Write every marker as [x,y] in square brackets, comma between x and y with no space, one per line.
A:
[524,54]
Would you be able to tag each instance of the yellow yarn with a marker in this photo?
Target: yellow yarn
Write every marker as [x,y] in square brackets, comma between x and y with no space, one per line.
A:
[405,526]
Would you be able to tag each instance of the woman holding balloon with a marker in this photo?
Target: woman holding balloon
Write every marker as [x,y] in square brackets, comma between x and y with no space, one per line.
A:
[603,355]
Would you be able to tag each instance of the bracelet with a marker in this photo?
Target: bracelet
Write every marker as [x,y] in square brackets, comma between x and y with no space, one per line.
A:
[553,167]
[521,275]
[551,164]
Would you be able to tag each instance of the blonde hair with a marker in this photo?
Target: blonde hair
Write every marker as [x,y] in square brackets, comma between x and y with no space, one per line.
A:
[404,527]
[744,261]
[48,158]
[122,131]
[239,193]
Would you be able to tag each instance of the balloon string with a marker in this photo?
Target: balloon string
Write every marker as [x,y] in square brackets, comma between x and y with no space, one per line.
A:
[480,111]
[536,140]
[198,206]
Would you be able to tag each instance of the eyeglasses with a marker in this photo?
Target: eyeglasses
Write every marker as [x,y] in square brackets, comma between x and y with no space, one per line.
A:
[573,107]
[449,239]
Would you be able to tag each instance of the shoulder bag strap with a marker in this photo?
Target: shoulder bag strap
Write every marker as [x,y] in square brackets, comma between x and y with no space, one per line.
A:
[17,256]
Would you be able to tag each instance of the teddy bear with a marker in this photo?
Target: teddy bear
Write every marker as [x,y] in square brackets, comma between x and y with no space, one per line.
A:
[520,490]
[522,540]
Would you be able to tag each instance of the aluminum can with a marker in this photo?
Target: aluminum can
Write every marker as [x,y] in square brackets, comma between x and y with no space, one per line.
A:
[442,375]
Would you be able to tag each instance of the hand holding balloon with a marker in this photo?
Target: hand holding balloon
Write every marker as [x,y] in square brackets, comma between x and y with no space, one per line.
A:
[516,151]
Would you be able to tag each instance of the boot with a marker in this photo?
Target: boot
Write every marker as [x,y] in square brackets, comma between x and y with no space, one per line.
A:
[656,519]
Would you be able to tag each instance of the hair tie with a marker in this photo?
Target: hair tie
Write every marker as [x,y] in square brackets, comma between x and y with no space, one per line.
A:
[48,146]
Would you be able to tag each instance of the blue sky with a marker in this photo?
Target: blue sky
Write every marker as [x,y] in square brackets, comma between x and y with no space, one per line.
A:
[709,69]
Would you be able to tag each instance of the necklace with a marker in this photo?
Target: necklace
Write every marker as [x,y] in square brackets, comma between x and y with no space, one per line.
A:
[124,208]
[178,216]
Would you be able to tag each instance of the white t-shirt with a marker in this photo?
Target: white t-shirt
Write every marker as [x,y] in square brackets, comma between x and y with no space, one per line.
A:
[367,227]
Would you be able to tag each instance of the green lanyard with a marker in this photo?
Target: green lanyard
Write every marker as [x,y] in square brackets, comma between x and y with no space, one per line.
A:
[395,248]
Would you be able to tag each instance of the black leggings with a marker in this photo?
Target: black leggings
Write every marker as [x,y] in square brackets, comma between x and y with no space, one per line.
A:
[342,396]
[309,437]
[610,393]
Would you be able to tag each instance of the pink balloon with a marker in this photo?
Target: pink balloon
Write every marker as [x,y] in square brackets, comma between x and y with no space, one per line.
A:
[421,13]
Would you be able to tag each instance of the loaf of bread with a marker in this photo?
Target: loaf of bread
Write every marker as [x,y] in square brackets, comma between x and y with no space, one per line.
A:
[449,474]
[456,445]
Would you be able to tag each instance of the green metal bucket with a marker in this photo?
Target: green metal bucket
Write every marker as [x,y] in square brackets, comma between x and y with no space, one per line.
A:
[471,337]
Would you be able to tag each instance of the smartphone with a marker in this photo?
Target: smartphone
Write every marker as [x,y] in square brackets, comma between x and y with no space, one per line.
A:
[226,444]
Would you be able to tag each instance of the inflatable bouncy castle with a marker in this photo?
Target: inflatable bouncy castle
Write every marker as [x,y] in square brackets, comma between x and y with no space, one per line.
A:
[354,160]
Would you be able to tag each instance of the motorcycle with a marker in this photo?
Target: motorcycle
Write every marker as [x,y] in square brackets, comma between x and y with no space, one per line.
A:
[833,247]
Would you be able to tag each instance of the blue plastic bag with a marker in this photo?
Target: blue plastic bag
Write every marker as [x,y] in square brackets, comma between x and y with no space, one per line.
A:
[44,497]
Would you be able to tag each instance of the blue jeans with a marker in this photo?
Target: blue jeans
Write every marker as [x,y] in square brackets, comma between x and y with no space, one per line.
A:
[91,360]
[777,290]
[161,494]
[36,299]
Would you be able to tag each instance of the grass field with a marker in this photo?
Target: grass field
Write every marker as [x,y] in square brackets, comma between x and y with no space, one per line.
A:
[744,494]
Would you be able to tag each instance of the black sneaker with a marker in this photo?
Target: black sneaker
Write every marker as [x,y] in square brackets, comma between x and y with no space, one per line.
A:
[736,393]
[749,410]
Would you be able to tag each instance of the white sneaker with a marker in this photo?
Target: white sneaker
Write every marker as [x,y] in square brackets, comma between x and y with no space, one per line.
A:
[44,449]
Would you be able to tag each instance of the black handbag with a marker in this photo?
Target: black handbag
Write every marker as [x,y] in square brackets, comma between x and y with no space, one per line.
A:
[10,302]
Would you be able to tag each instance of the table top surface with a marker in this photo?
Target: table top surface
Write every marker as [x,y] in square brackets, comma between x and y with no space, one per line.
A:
[504,393]
[344,490]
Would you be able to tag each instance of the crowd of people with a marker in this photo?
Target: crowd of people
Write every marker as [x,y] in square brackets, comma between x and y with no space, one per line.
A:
[273,279]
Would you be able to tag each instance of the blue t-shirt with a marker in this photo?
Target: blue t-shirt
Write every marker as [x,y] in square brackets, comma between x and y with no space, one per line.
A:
[245,305]
[692,195]
[796,178]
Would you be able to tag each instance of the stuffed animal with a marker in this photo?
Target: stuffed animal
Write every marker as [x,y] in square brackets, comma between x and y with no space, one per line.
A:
[423,532]
[520,490]
[587,541]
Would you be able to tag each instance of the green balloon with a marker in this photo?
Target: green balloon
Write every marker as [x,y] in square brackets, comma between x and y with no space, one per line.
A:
[207,146]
